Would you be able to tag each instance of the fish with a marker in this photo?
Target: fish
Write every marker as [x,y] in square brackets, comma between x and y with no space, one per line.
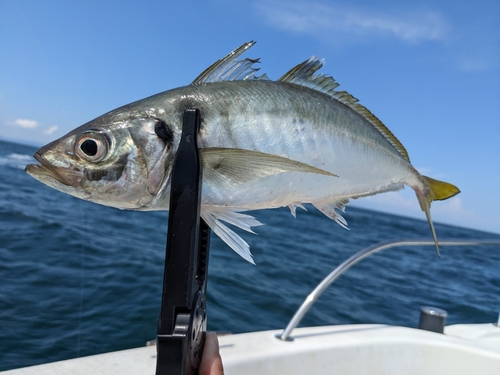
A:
[263,144]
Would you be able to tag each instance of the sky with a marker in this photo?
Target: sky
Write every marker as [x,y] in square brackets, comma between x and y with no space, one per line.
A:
[429,70]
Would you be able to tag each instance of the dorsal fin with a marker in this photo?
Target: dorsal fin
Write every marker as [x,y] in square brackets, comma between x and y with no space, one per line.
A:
[303,74]
[229,69]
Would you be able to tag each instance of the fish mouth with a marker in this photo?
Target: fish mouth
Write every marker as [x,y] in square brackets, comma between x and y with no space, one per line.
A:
[66,176]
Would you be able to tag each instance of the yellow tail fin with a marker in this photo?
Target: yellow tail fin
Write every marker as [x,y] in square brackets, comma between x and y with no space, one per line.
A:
[439,190]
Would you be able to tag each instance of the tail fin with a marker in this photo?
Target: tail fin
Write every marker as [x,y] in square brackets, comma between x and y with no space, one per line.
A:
[441,190]
[438,191]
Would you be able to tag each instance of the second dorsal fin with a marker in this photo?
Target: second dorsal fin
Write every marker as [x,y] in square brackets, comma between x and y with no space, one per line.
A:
[303,75]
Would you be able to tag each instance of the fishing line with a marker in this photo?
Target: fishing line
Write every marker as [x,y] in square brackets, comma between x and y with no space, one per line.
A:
[82,281]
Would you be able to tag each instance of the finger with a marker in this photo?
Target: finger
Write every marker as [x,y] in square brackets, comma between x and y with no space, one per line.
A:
[211,361]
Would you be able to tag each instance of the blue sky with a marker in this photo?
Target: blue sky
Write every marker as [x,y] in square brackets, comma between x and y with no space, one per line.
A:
[428,69]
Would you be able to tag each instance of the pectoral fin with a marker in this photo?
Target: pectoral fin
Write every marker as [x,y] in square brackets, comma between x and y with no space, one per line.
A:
[239,166]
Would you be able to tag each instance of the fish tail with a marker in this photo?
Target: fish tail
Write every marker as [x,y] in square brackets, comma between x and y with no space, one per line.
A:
[441,190]
[425,205]
[438,190]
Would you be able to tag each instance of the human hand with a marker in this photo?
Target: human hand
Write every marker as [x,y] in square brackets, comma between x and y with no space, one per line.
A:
[211,361]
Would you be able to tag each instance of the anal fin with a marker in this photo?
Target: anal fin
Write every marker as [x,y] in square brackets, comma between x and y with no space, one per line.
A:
[293,208]
[331,208]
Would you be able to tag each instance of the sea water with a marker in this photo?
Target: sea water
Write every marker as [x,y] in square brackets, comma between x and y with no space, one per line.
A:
[77,278]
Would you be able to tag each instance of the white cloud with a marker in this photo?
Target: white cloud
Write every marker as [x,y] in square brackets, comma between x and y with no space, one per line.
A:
[405,202]
[401,202]
[26,123]
[451,211]
[473,64]
[337,22]
[452,207]
[50,130]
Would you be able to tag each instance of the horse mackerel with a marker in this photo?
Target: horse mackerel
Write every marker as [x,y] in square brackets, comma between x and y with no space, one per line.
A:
[263,143]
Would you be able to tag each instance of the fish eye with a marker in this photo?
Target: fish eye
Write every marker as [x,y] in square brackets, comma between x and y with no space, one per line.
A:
[92,146]
[89,147]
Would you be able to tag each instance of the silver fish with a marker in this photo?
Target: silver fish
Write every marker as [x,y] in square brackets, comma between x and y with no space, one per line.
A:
[264,144]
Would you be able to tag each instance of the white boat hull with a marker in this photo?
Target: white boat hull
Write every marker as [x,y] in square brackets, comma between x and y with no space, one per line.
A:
[345,349]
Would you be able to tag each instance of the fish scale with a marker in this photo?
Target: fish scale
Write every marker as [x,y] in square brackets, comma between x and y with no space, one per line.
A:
[328,147]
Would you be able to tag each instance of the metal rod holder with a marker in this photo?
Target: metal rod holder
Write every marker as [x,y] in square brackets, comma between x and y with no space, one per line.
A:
[334,275]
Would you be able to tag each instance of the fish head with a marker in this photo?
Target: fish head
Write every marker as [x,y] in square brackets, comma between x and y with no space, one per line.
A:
[122,161]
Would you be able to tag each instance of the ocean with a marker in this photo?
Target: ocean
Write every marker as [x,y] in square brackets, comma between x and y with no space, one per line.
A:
[77,278]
